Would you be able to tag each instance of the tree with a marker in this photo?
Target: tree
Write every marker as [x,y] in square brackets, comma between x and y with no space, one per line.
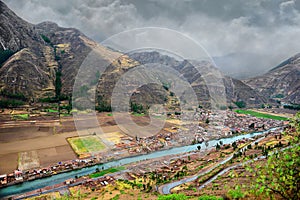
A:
[240,104]
[58,84]
[281,174]
[4,55]
[234,145]
[207,121]
[173,197]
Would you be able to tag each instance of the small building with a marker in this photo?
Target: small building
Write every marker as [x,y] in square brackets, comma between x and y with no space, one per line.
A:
[18,175]
[3,179]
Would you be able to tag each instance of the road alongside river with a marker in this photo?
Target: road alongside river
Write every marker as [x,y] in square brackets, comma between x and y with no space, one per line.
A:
[59,178]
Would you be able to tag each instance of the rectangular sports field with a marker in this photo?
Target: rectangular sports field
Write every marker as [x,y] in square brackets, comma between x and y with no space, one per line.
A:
[86,144]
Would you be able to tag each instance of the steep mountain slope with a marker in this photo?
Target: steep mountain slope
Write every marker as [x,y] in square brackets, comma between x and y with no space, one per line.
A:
[235,89]
[15,33]
[40,54]
[46,58]
[282,81]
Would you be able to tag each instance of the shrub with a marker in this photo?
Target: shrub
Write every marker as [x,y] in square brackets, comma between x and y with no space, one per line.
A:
[240,104]
[236,193]
[7,103]
[17,95]
[4,55]
[173,197]
[45,38]
[209,197]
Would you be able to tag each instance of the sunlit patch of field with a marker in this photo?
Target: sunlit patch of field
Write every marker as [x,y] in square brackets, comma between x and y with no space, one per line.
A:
[50,196]
[21,117]
[114,137]
[171,130]
[261,114]
[28,160]
[174,121]
[86,144]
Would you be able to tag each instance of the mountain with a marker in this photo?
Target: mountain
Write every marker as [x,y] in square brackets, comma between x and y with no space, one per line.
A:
[43,58]
[16,33]
[155,93]
[282,82]
[41,61]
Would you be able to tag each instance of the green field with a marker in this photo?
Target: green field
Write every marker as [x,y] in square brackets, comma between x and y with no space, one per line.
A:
[261,115]
[21,116]
[51,110]
[86,144]
[138,114]
[106,171]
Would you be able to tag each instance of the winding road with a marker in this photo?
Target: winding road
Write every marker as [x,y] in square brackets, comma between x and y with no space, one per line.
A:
[166,188]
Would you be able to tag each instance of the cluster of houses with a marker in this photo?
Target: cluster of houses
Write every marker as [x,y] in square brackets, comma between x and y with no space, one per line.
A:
[220,124]
[96,184]
[205,126]
[19,176]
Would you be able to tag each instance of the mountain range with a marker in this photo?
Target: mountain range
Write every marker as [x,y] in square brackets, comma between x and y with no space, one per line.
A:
[40,61]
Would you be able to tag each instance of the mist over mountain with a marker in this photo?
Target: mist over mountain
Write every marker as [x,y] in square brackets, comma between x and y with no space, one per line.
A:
[266,30]
[45,59]
[234,64]
[281,82]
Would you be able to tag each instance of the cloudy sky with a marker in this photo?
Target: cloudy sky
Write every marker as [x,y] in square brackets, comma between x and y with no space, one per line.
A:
[247,37]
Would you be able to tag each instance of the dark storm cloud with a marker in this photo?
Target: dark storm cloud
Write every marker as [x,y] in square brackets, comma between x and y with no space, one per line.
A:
[239,29]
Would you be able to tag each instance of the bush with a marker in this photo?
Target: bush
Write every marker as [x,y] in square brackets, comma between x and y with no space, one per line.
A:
[8,94]
[173,197]
[137,108]
[7,103]
[236,193]
[292,106]
[240,104]
[58,84]
[4,55]
[208,197]
[45,38]
[103,107]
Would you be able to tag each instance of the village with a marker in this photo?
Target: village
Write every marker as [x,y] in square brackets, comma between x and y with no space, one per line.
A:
[207,125]
[151,175]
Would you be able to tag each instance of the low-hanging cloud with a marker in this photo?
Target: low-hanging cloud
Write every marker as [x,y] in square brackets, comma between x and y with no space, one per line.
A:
[244,36]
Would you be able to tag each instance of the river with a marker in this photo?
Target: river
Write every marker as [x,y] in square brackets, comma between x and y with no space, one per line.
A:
[40,183]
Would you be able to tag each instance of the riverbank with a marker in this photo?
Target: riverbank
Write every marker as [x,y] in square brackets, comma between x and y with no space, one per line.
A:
[58,178]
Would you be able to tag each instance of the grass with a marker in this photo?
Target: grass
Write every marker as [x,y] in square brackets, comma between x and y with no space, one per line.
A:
[86,144]
[173,197]
[51,110]
[261,115]
[106,171]
[21,116]
[138,114]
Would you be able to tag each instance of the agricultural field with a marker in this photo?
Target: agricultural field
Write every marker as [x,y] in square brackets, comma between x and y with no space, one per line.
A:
[86,144]
[28,160]
[261,115]
[107,171]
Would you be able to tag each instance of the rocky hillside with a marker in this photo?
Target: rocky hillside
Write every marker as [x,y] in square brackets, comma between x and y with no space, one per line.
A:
[158,91]
[235,90]
[41,61]
[16,33]
[282,82]
[34,57]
